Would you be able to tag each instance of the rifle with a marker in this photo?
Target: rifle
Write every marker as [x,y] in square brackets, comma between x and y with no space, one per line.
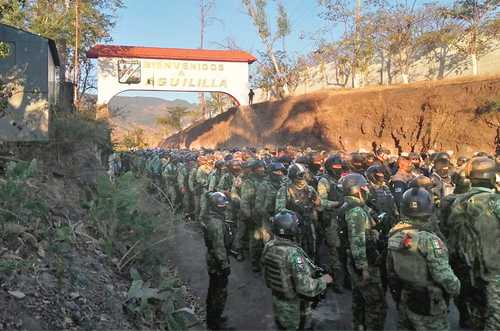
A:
[318,273]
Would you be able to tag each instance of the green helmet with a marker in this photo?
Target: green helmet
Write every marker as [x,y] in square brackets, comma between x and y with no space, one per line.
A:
[285,224]
[482,168]
[417,202]
[218,200]
[352,184]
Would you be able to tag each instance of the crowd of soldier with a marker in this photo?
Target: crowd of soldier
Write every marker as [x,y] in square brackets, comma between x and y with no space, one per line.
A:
[418,225]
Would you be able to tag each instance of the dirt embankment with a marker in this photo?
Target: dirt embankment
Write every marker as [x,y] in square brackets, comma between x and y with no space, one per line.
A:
[460,115]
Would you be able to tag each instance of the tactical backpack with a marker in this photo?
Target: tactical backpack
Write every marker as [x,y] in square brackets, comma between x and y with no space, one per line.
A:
[475,224]
[276,270]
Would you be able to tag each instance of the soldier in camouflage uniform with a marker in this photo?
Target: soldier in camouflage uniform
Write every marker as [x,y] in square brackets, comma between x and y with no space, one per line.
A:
[330,197]
[301,198]
[169,175]
[250,215]
[368,299]
[290,274]
[384,211]
[201,186]
[216,175]
[420,277]
[241,241]
[276,179]
[182,183]
[217,238]
[474,223]
[192,188]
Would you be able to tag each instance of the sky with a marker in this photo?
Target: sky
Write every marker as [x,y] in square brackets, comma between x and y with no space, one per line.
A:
[175,23]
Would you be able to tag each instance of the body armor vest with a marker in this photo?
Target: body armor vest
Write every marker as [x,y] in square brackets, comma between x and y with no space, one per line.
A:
[382,200]
[276,270]
[409,264]
[484,210]
[300,200]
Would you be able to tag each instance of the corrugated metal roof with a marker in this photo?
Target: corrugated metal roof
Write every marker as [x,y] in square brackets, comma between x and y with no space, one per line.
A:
[170,53]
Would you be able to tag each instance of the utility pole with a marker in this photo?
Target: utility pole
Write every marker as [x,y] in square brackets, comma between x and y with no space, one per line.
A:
[76,62]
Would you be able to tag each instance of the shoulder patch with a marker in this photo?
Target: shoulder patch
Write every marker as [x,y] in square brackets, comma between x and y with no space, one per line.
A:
[299,262]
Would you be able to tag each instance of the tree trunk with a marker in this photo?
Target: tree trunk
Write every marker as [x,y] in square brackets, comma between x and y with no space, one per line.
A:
[389,69]
[404,78]
[382,60]
[442,64]
[473,58]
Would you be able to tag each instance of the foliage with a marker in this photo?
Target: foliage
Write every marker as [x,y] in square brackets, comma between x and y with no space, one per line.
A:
[134,139]
[116,214]
[218,103]
[4,50]
[257,11]
[18,204]
[172,121]
[70,128]
[160,307]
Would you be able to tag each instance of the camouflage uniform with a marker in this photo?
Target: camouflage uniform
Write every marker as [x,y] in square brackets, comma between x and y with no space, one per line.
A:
[169,175]
[217,239]
[241,240]
[474,232]
[213,179]
[192,189]
[330,196]
[420,276]
[300,197]
[202,189]
[182,184]
[252,216]
[295,284]
[368,299]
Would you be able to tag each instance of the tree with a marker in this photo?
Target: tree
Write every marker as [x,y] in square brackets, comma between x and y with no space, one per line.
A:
[437,42]
[134,139]
[206,7]
[399,27]
[218,102]
[256,10]
[480,25]
[172,121]
[56,19]
[4,49]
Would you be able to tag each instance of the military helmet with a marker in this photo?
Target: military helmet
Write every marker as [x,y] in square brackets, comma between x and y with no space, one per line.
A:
[358,159]
[442,157]
[277,166]
[481,167]
[421,181]
[218,199]
[373,173]
[417,202]
[333,161]
[461,160]
[296,171]
[219,164]
[285,224]
[352,184]
[258,164]
[304,159]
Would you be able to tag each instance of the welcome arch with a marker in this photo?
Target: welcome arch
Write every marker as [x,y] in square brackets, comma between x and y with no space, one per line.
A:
[132,68]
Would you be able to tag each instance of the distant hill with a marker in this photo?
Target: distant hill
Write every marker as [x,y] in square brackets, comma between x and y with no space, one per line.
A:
[128,113]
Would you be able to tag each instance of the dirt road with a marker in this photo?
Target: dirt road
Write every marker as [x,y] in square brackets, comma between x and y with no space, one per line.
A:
[249,304]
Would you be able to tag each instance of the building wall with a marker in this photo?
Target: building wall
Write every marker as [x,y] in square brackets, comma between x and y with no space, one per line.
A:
[26,70]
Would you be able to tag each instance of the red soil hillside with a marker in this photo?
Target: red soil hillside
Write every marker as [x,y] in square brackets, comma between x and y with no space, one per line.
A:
[460,115]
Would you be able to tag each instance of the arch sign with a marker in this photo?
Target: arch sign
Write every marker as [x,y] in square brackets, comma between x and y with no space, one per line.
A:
[125,68]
